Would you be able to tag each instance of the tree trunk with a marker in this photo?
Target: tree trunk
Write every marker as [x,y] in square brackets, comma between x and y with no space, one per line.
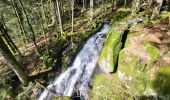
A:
[16,67]
[53,15]
[83,8]
[59,16]
[112,5]
[125,3]
[157,9]
[18,15]
[43,31]
[135,6]
[168,5]
[69,7]
[30,26]
[72,16]
[43,23]
[105,7]
[7,38]
[103,11]
[60,3]
[91,10]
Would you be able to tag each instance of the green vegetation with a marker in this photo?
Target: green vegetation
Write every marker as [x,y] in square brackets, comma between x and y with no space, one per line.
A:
[143,65]
[39,38]
[112,46]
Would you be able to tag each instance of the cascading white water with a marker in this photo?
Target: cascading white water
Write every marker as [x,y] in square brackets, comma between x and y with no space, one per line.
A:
[78,76]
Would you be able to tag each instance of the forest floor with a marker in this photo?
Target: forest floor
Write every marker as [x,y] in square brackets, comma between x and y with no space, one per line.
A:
[81,27]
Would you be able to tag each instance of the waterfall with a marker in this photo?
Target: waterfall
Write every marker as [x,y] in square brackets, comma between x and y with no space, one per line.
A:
[78,76]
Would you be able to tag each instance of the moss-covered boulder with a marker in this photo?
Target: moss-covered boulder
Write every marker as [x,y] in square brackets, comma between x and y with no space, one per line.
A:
[106,87]
[111,50]
[132,80]
[129,81]
[143,69]
[112,46]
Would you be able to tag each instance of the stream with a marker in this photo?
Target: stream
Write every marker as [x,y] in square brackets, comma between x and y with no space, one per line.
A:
[77,78]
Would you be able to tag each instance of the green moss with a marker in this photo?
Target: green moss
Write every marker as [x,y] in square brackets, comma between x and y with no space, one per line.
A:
[120,14]
[123,56]
[153,52]
[161,82]
[107,90]
[127,41]
[111,50]
[131,34]
[114,89]
[134,62]
[132,79]
[131,70]
[112,46]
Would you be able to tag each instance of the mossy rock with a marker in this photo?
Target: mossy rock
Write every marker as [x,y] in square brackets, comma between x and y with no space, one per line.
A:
[105,89]
[153,52]
[112,46]
[133,78]
[100,84]
[109,53]
[130,81]
[131,69]
[120,14]
[110,89]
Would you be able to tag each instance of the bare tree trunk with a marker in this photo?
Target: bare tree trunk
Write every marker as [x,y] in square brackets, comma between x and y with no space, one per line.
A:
[7,38]
[59,16]
[103,10]
[16,67]
[168,5]
[83,8]
[16,10]
[72,16]
[69,7]
[60,3]
[91,10]
[8,43]
[113,5]
[135,6]
[53,15]
[43,31]
[125,3]
[157,9]
[105,7]
[30,26]
[44,25]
